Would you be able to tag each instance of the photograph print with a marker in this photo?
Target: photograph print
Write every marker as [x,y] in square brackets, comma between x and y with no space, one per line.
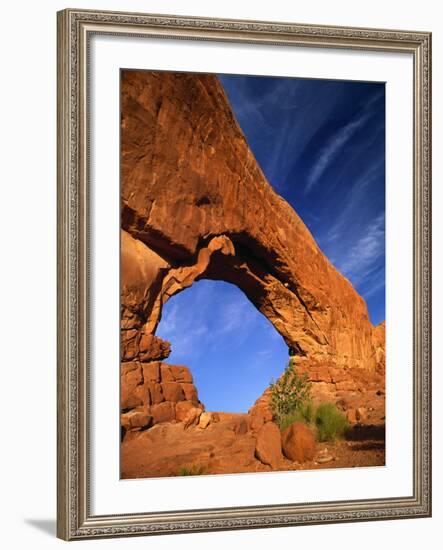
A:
[252,274]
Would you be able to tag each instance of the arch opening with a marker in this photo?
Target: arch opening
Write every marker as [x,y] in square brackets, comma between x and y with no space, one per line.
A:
[231,348]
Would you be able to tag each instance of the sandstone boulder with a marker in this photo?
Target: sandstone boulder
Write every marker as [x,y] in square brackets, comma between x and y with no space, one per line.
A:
[136,420]
[261,412]
[192,417]
[205,420]
[268,448]
[298,443]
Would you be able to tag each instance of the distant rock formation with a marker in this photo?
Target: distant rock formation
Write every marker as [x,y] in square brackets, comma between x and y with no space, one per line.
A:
[196,205]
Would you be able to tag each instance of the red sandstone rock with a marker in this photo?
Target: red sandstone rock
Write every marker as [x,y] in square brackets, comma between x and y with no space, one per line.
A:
[237,422]
[352,416]
[205,420]
[192,417]
[338,375]
[181,373]
[163,412]
[379,345]
[166,374]
[261,411]
[321,374]
[210,209]
[256,422]
[136,419]
[152,348]
[268,446]
[156,393]
[241,426]
[151,372]
[166,448]
[131,377]
[298,443]
[146,384]
[182,408]
[346,385]
[129,344]
[361,414]
[141,272]
[172,391]
[190,392]
[196,204]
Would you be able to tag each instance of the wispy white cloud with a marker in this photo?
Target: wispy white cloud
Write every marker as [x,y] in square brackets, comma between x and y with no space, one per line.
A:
[204,319]
[236,319]
[373,285]
[336,143]
[272,120]
[332,149]
[177,327]
[367,251]
[353,203]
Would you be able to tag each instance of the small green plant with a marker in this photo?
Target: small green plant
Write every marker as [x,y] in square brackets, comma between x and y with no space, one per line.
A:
[193,470]
[290,396]
[330,422]
[304,413]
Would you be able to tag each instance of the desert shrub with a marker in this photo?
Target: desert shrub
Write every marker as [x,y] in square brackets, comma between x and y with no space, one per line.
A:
[330,422]
[290,394]
[193,470]
[304,413]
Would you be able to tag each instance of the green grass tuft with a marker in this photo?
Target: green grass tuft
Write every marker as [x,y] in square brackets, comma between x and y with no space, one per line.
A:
[304,413]
[330,422]
[193,470]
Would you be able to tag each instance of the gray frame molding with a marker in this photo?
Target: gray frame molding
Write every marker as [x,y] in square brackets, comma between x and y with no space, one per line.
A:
[74,520]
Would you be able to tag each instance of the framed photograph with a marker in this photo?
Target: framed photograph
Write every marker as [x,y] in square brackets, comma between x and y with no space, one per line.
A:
[243,274]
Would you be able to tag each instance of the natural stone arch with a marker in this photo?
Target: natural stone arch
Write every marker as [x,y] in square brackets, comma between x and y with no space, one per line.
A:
[219,260]
[195,197]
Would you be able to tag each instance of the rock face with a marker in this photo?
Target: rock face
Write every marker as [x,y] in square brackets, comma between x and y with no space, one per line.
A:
[379,346]
[156,390]
[195,204]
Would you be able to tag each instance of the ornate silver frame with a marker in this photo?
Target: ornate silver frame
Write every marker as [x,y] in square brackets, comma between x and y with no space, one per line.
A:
[74,519]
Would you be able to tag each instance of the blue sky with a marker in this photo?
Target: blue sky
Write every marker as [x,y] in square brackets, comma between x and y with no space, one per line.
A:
[321,145]
[233,351]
